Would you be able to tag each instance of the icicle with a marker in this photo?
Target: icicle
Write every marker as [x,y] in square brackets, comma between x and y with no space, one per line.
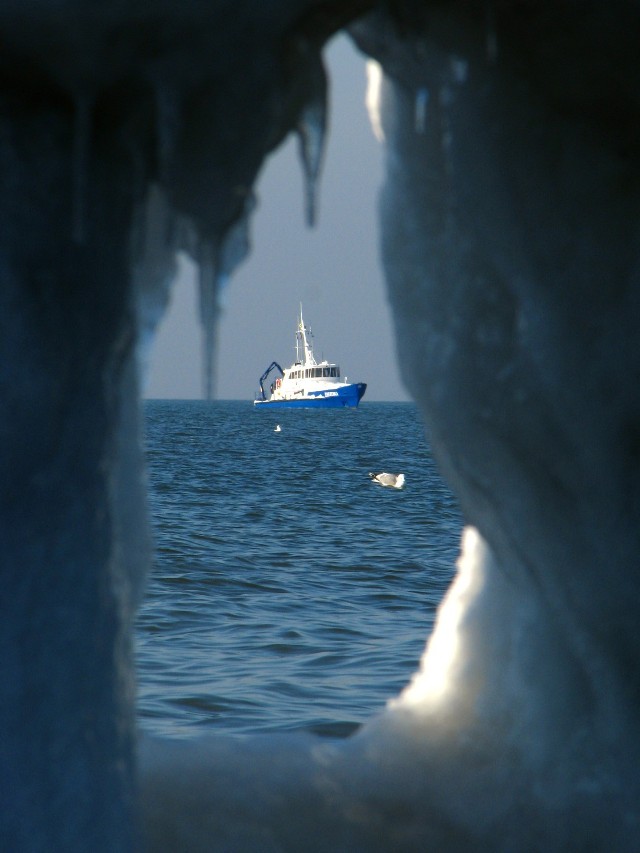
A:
[311,130]
[154,268]
[80,166]
[373,98]
[235,245]
[208,281]
[420,110]
[217,262]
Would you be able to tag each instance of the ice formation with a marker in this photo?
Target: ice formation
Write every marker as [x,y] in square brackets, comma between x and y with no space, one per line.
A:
[311,134]
[372,99]
[511,254]
[420,109]
[208,286]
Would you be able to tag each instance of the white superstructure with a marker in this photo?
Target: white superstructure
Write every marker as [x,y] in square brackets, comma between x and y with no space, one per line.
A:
[308,381]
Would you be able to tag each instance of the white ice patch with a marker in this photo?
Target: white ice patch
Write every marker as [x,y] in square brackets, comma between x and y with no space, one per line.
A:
[430,685]
[372,98]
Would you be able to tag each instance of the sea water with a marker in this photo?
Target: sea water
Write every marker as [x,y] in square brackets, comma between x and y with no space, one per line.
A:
[288,591]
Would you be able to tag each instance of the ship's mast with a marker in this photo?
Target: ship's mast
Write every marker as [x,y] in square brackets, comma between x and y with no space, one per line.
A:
[304,347]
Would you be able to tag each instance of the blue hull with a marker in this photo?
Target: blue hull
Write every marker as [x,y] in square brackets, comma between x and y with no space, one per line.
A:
[347,397]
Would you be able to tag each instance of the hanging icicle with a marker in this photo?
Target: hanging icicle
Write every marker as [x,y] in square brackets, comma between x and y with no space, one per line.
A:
[311,130]
[217,262]
[235,245]
[154,268]
[208,286]
[373,99]
[80,166]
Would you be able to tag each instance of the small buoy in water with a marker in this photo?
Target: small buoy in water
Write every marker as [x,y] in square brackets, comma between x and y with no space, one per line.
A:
[393,481]
[277,429]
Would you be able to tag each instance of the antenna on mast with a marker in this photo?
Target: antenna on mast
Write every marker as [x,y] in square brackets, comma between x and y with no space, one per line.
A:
[304,348]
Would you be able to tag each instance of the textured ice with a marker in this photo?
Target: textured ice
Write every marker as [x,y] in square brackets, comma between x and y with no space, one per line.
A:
[509,241]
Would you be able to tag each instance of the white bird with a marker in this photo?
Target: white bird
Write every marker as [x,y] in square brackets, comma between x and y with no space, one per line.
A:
[277,429]
[394,481]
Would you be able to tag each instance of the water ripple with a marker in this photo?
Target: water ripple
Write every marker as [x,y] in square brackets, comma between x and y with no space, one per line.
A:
[288,591]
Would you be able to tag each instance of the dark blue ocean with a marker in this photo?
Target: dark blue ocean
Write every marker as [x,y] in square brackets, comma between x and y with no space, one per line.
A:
[287,590]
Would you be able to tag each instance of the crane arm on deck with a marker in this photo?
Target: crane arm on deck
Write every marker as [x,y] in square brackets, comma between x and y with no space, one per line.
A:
[272,366]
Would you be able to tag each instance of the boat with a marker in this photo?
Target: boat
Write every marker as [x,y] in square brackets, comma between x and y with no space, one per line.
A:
[307,384]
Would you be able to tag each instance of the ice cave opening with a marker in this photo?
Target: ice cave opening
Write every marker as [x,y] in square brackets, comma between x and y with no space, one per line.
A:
[509,218]
[333,268]
[334,263]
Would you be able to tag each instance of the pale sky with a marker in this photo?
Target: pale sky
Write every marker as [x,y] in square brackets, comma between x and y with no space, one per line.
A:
[333,269]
